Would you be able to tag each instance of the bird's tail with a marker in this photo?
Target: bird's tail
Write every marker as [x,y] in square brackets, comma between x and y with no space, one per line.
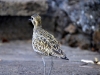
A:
[64,57]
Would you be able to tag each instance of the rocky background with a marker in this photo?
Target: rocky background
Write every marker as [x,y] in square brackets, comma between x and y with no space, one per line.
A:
[75,23]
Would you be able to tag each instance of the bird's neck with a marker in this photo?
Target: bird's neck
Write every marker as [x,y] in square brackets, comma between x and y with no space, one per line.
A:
[37,28]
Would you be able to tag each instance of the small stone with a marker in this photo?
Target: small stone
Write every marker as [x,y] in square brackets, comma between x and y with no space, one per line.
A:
[84,46]
[98,63]
[4,40]
[96,36]
[96,39]
[78,40]
[71,29]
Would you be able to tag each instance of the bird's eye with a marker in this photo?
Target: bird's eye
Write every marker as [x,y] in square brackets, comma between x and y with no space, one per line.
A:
[32,18]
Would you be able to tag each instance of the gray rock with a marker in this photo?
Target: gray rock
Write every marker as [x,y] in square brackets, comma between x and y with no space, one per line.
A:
[84,14]
[22,7]
[96,39]
[77,40]
[71,29]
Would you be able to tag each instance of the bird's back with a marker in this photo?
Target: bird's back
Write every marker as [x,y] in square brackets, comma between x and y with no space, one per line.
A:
[45,43]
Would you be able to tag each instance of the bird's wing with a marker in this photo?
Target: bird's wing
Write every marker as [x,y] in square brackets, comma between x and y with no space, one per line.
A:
[41,45]
[48,44]
[55,46]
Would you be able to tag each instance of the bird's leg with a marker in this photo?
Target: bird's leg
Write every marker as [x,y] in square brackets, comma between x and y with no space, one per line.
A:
[44,65]
[51,65]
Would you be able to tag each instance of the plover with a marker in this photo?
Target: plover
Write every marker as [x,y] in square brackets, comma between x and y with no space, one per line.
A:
[45,43]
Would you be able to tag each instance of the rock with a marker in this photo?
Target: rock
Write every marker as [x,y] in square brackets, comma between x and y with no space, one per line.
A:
[61,20]
[96,36]
[83,14]
[14,15]
[78,40]
[96,39]
[71,29]
[84,45]
[22,7]
[4,40]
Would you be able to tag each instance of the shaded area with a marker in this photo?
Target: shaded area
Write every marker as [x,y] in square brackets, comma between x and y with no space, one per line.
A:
[19,27]
[14,27]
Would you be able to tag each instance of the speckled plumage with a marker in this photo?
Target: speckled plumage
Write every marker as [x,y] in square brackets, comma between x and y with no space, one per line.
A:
[43,42]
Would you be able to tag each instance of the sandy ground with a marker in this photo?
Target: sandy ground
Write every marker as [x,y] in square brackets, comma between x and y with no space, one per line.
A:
[18,58]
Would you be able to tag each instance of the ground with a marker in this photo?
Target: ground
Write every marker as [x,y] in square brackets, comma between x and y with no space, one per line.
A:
[18,58]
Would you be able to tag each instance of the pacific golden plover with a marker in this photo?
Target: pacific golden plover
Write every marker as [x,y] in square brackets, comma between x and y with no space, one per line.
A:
[45,43]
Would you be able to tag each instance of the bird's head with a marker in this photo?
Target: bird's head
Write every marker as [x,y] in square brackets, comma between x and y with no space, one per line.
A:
[36,20]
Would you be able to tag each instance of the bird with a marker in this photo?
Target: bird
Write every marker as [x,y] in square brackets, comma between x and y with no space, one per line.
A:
[45,43]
